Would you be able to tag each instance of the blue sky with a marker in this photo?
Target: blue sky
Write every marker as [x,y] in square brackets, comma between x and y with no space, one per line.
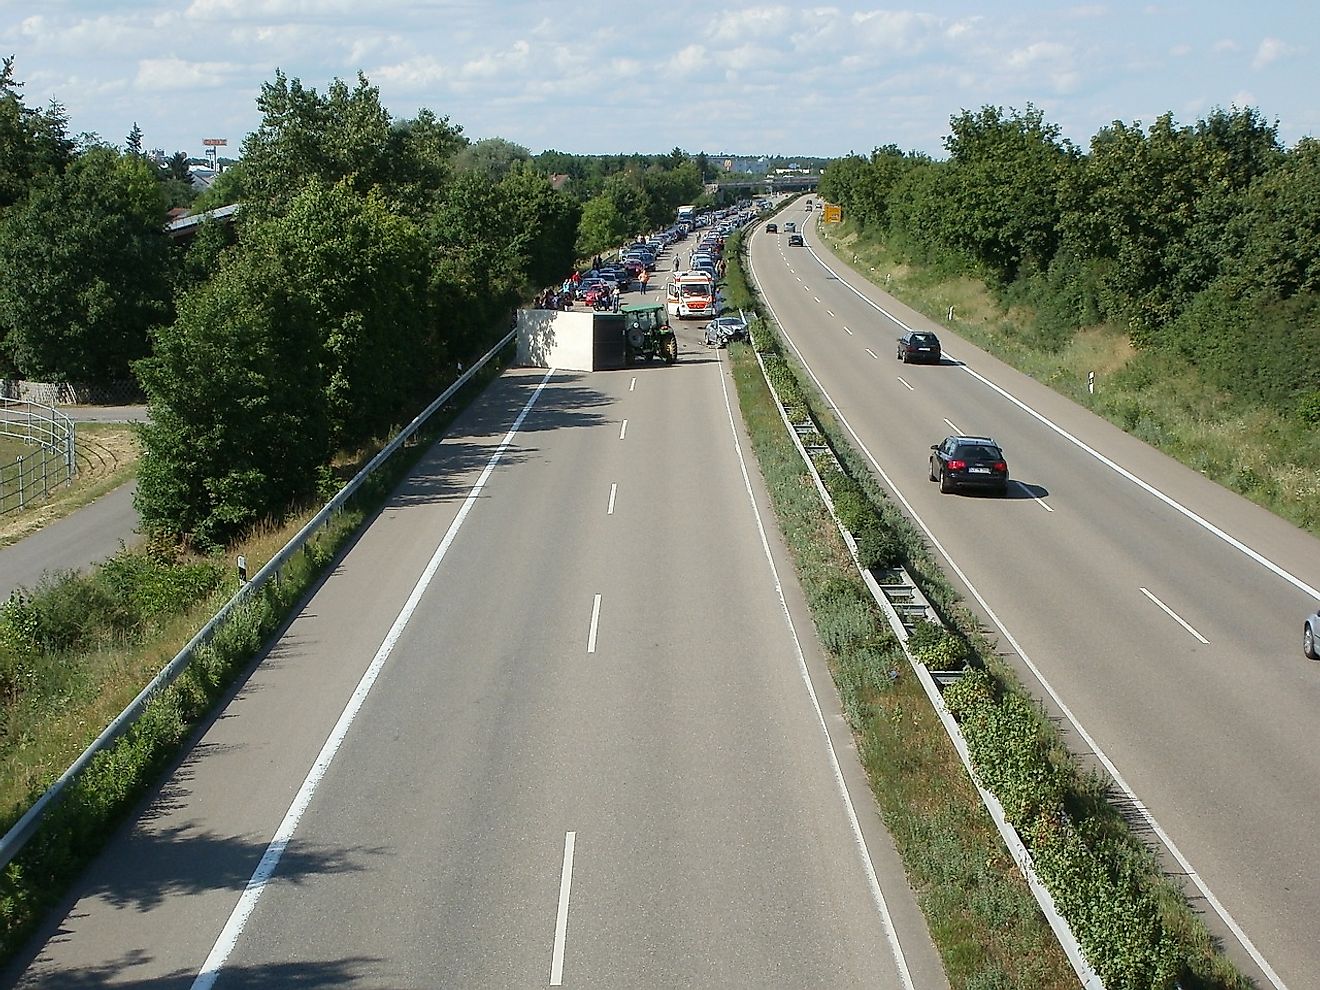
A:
[715,77]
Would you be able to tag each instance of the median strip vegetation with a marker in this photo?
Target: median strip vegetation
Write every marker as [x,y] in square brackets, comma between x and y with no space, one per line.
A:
[1135,927]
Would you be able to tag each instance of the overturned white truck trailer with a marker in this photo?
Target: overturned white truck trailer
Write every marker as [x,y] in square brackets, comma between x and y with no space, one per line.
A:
[568,340]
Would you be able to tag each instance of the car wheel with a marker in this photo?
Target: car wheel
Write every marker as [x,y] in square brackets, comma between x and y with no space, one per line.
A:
[932,474]
[946,485]
[1308,644]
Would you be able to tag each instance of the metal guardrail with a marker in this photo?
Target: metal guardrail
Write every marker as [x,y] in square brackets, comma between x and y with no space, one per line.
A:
[23,830]
[1086,974]
[52,463]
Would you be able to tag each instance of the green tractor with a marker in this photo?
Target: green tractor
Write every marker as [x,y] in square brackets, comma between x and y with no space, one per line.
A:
[646,333]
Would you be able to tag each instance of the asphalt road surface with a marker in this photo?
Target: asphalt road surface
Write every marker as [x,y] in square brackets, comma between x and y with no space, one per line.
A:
[546,723]
[1163,612]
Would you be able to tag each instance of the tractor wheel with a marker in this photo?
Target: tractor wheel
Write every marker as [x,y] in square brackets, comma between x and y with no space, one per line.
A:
[669,348]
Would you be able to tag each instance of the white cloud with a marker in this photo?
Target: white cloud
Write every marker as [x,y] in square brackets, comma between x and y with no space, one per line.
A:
[1037,53]
[751,22]
[1225,45]
[1271,50]
[157,74]
[1180,50]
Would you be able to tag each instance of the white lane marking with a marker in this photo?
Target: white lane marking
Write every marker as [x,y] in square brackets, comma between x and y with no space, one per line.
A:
[830,311]
[847,331]
[270,860]
[817,298]
[1175,617]
[614,490]
[954,428]
[1145,486]
[632,384]
[873,354]
[561,916]
[595,625]
[1110,767]
[623,429]
[1034,497]
[905,384]
[873,881]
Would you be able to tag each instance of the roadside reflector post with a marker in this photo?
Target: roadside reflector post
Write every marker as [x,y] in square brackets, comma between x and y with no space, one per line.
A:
[242,569]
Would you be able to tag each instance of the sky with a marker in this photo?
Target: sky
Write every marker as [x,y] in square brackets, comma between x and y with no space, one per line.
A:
[720,77]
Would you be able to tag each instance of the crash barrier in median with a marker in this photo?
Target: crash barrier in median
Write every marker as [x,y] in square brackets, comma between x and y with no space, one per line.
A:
[47,465]
[803,432]
[23,830]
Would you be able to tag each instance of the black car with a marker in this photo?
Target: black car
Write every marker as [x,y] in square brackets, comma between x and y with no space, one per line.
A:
[1311,636]
[772,228]
[969,462]
[919,345]
[795,240]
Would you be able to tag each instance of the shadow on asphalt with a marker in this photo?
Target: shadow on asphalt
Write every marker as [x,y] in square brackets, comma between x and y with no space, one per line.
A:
[353,971]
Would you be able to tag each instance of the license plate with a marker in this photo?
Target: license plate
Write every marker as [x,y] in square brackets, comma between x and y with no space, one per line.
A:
[979,470]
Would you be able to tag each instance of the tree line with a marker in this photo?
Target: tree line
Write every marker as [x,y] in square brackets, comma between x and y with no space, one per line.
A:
[1200,239]
[370,258]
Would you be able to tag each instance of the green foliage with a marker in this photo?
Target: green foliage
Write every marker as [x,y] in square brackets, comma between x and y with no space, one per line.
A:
[239,418]
[491,158]
[83,269]
[602,227]
[34,144]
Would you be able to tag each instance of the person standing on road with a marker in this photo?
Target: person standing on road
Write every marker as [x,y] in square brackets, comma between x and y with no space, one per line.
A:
[644,278]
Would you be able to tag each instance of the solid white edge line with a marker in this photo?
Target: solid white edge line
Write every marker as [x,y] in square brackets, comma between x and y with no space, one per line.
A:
[595,625]
[1034,497]
[877,895]
[614,490]
[623,429]
[256,885]
[1158,830]
[1175,616]
[561,915]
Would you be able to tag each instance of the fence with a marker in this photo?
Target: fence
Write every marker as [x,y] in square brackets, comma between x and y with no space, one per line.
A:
[17,837]
[51,461]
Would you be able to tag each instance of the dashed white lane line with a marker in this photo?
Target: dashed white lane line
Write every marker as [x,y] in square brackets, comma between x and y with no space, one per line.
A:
[561,916]
[270,859]
[614,490]
[830,311]
[632,384]
[623,429]
[1175,617]
[847,331]
[595,625]
[954,428]
[873,354]
[905,384]
[817,298]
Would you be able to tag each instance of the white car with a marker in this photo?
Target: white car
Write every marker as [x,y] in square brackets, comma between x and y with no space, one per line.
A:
[723,329]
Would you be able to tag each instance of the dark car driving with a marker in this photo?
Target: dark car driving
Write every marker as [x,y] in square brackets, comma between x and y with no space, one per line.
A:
[795,240]
[919,345]
[969,462]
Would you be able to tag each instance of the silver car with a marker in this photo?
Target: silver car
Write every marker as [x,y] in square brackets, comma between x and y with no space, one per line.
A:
[1311,636]
[723,329]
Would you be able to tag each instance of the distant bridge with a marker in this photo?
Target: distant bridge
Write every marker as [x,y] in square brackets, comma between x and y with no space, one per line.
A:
[777,183]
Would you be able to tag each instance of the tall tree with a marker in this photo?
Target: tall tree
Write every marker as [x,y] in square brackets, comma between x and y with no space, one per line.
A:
[238,427]
[83,269]
[133,143]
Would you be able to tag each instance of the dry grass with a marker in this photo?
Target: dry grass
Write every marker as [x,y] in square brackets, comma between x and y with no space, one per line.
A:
[107,457]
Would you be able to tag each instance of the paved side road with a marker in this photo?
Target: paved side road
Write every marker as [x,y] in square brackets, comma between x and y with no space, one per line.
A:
[77,541]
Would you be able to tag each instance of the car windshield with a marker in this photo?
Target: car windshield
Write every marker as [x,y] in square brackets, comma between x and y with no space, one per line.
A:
[696,290]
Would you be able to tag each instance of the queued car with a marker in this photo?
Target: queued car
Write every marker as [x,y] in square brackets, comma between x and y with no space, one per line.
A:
[1311,636]
[969,463]
[795,240]
[723,329]
[772,228]
[919,345]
